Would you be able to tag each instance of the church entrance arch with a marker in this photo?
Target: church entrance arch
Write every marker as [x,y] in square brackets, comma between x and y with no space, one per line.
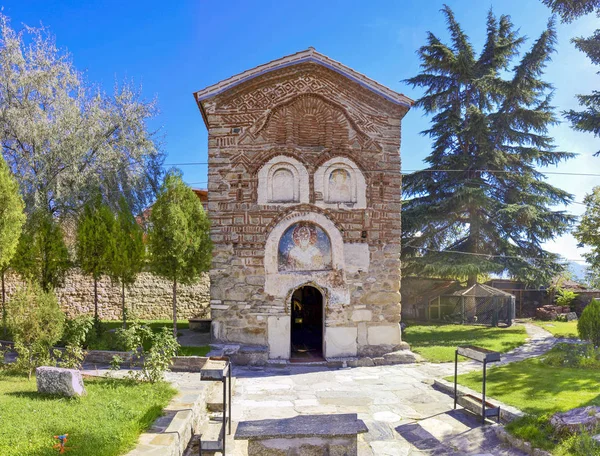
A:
[306,335]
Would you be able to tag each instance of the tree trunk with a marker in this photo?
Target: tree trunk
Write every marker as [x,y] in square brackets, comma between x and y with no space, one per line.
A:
[123,303]
[3,305]
[473,243]
[175,308]
[96,299]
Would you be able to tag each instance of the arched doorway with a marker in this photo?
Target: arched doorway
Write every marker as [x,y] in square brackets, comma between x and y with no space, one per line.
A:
[307,324]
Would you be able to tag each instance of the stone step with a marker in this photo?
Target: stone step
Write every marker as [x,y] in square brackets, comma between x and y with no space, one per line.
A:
[214,399]
[212,437]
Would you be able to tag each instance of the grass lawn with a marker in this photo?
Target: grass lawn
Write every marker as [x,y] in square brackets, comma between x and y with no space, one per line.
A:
[193,351]
[437,342]
[540,390]
[559,328]
[106,422]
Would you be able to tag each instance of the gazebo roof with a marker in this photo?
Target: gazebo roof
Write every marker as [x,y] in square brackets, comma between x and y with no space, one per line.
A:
[481,290]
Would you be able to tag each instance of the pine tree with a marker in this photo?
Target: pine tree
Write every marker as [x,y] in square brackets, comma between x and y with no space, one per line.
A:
[127,252]
[95,229]
[179,238]
[12,218]
[587,120]
[481,206]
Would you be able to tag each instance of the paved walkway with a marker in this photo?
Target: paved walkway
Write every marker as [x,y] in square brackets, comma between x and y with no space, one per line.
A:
[404,414]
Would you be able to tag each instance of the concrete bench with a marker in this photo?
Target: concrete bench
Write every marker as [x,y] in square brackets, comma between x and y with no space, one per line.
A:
[303,435]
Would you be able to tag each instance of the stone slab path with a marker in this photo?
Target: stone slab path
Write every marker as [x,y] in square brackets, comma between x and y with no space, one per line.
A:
[405,415]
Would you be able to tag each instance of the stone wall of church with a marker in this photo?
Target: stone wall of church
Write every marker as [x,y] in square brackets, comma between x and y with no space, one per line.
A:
[149,298]
[282,147]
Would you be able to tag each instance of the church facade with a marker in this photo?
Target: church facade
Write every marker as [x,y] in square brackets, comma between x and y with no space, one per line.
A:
[304,197]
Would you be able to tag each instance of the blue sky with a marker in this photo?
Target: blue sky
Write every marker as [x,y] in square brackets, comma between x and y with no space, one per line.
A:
[175,48]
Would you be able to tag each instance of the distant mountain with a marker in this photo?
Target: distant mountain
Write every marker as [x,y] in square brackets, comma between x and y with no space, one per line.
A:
[578,269]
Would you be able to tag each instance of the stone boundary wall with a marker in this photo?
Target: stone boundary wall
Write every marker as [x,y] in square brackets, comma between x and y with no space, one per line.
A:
[149,298]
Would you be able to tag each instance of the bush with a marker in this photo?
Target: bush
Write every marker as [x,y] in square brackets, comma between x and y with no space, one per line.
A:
[588,325]
[579,356]
[75,335]
[566,298]
[152,350]
[36,323]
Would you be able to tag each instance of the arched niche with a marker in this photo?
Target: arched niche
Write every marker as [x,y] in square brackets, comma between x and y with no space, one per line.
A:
[341,184]
[282,180]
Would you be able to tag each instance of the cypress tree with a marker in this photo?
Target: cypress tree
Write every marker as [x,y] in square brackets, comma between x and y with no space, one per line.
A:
[127,252]
[482,206]
[95,229]
[12,218]
[179,238]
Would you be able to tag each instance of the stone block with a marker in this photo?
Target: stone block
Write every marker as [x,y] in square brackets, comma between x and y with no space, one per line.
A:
[383,334]
[340,341]
[362,315]
[56,380]
[279,337]
[571,316]
[576,420]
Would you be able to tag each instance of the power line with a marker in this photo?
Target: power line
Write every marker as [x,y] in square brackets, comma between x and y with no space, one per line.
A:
[490,255]
[429,170]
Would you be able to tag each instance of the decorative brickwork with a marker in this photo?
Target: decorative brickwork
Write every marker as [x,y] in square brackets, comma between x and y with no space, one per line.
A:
[345,132]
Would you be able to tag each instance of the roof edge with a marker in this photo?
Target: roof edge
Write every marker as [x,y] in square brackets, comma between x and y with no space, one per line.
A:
[309,55]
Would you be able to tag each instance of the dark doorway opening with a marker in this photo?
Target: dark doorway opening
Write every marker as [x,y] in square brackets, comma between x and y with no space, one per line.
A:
[307,325]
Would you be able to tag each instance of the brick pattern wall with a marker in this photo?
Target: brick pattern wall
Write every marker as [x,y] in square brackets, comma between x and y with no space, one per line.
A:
[310,113]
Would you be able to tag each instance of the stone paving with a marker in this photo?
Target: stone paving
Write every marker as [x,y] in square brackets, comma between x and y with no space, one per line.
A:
[405,415]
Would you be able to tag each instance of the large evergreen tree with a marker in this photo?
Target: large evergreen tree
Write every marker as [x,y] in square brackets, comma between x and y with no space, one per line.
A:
[588,233]
[587,120]
[127,251]
[12,218]
[481,206]
[179,239]
[95,230]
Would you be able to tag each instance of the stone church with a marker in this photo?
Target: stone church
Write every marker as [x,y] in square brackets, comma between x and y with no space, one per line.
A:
[304,196]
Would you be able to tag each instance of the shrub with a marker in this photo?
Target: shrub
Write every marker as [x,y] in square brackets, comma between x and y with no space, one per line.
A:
[152,351]
[76,332]
[588,325]
[565,298]
[581,356]
[36,323]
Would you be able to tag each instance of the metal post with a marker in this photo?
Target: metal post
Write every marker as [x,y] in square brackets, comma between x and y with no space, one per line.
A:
[483,398]
[229,379]
[200,445]
[455,375]
[224,412]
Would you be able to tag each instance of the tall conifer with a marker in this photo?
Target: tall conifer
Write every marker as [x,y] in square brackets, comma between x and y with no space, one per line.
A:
[482,204]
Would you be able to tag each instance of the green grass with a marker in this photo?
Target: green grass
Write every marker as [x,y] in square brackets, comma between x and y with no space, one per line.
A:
[193,351]
[106,422]
[536,388]
[437,342]
[540,390]
[559,328]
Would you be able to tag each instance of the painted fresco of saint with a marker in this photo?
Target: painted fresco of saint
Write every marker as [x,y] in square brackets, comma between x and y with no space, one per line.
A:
[339,186]
[303,248]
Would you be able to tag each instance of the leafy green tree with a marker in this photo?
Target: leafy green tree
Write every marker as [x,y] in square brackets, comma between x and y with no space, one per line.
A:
[481,206]
[587,232]
[12,219]
[179,237]
[587,120]
[588,325]
[95,231]
[42,255]
[36,322]
[65,138]
[127,254]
